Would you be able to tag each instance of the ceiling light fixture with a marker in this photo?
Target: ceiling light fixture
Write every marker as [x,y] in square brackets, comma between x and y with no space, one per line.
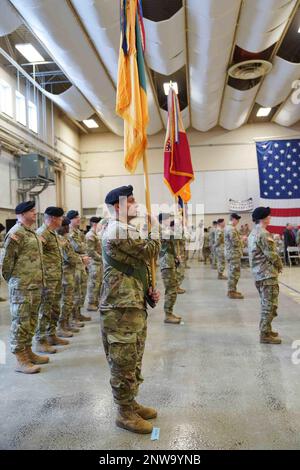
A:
[90,123]
[30,53]
[167,86]
[262,112]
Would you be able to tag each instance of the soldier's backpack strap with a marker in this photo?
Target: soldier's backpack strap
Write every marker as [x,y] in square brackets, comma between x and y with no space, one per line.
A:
[140,273]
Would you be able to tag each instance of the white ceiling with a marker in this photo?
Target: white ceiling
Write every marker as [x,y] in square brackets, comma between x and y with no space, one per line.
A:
[202,37]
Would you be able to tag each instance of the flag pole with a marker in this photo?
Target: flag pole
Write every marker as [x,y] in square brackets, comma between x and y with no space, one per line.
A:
[148,207]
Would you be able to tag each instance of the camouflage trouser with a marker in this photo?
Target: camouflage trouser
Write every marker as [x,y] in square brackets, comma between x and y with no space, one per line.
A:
[24,309]
[170,282]
[49,310]
[124,334]
[234,273]
[180,273]
[67,298]
[213,258]
[80,287]
[94,283]
[269,291]
[205,254]
[220,260]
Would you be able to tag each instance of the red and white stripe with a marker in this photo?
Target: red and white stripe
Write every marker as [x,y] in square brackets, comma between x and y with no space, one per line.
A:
[283,211]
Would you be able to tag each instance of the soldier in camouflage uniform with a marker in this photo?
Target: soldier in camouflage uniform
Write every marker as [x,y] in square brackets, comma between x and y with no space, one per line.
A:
[180,265]
[95,268]
[219,248]
[23,271]
[233,253]
[212,235]
[123,307]
[45,335]
[206,247]
[265,264]
[70,261]
[77,239]
[168,260]
[2,228]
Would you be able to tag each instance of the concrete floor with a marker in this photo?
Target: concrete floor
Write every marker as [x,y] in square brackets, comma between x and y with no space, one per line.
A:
[214,385]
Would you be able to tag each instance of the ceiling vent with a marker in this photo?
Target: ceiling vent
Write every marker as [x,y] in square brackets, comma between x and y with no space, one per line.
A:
[250,69]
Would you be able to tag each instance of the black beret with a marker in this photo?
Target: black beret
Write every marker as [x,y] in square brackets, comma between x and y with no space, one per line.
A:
[55,211]
[215,222]
[95,220]
[72,214]
[24,207]
[163,216]
[65,222]
[235,216]
[113,196]
[260,213]
[2,227]
[219,221]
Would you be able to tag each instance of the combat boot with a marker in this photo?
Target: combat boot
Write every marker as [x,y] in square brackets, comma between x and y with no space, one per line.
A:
[54,340]
[76,323]
[144,412]
[274,334]
[128,419]
[34,358]
[44,347]
[71,328]
[172,319]
[24,365]
[2,299]
[234,295]
[92,308]
[180,290]
[84,318]
[221,276]
[62,331]
[269,339]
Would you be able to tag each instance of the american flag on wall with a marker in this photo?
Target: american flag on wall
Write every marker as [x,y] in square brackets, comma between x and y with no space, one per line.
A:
[279,179]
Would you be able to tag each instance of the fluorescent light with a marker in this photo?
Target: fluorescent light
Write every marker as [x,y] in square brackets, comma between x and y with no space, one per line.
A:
[30,53]
[90,123]
[167,87]
[262,112]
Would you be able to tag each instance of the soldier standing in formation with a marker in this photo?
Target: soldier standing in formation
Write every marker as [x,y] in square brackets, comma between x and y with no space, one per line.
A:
[265,264]
[219,248]
[123,312]
[169,261]
[212,235]
[23,271]
[205,248]
[233,252]
[95,267]
[49,312]
[2,228]
[77,240]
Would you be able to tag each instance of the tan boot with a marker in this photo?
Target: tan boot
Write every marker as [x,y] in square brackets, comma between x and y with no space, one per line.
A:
[128,419]
[172,319]
[180,290]
[44,347]
[84,318]
[54,340]
[76,323]
[144,412]
[92,308]
[2,299]
[269,339]
[221,276]
[24,365]
[70,327]
[34,358]
[274,334]
[234,295]
[62,331]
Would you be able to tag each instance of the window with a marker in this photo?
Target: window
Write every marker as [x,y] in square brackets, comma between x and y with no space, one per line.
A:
[20,108]
[5,98]
[32,117]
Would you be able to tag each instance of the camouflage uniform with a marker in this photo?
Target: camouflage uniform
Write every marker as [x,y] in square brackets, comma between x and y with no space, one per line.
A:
[23,270]
[213,259]
[1,247]
[180,248]
[70,262]
[265,265]
[219,250]
[167,256]
[77,240]
[95,268]
[206,247]
[123,309]
[233,253]
[50,306]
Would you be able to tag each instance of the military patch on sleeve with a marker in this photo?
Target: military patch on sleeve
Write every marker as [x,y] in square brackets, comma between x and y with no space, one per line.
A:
[14,237]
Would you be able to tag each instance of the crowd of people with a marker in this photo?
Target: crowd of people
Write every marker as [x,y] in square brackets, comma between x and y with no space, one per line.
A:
[53,270]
